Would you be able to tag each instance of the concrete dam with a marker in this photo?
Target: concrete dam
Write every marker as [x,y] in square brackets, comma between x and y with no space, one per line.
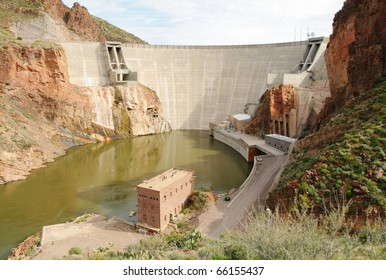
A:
[200,84]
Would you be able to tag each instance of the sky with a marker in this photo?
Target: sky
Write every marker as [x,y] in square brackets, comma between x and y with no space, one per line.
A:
[217,22]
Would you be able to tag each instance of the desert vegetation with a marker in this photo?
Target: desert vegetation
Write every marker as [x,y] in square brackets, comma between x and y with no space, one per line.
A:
[267,236]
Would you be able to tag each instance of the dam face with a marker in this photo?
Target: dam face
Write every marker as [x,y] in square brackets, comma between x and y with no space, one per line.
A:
[196,84]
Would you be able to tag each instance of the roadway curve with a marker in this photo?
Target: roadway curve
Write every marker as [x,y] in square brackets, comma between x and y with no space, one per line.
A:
[222,216]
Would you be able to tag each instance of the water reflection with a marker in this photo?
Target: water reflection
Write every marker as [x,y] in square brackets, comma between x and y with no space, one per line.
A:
[102,178]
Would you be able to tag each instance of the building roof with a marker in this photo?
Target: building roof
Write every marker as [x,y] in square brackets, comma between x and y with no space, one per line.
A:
[242,117]
[281,137]
[164,179]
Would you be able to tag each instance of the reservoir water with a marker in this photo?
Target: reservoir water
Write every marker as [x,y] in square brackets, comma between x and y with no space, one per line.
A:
[101,178]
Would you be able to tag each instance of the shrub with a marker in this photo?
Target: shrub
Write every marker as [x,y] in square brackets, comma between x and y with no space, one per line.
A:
[196,201]
[235,252]
[75,251]
[118,98]
[66,17]
[180,224]
[192,239]
[175,239]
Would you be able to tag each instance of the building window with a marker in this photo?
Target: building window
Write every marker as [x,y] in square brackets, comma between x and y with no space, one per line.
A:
[144,218]
[165,218]
[171,193]
[152,207]
[165,197]
[181,187]
[153,219]
[176,190]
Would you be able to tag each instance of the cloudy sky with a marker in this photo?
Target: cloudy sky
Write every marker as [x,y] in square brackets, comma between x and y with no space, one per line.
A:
[217,22]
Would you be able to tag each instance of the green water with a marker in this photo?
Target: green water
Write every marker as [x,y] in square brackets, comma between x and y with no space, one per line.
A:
[101,178]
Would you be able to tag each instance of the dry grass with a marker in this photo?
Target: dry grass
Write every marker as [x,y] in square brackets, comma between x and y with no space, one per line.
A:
[269,236]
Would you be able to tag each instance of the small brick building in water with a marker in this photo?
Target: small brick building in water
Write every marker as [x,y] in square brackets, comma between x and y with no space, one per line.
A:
[162,197]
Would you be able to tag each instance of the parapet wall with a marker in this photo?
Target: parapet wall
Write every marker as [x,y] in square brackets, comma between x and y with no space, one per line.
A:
[196,84]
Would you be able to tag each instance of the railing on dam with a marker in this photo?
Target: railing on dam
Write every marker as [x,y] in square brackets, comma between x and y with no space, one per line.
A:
[145,46]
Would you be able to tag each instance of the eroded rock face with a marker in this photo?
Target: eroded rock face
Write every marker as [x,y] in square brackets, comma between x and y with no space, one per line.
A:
[55,8]
[275,105]
[71,24]
[79,20]
[356,54]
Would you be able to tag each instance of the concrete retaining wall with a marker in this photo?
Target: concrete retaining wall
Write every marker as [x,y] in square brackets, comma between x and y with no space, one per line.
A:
[237,144]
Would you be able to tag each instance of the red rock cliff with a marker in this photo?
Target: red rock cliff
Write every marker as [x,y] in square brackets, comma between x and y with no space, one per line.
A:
[274,105]
[356,54]
[77,19]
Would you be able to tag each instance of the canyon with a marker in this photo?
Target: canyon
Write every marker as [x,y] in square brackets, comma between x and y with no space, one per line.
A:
[56,83]
[57,91]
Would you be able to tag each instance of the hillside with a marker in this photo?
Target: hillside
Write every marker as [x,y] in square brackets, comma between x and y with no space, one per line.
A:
[22,19]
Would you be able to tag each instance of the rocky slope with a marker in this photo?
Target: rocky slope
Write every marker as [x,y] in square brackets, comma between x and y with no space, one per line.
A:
[343,163]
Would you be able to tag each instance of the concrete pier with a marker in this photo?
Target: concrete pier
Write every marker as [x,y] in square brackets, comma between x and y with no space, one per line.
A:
[246,145]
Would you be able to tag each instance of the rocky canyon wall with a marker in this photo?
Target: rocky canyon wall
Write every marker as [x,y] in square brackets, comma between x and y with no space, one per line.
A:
[356,54]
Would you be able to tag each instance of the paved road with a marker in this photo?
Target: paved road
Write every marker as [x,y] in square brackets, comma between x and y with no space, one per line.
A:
[222,215]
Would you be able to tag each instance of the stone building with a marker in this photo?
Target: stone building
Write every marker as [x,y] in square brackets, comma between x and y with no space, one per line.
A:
[280,142]
[162,197]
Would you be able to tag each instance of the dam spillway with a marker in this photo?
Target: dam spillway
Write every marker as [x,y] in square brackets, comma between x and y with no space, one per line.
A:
[200,84]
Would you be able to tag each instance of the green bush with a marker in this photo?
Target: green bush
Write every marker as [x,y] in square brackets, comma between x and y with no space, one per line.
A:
[196,201]
[180,224]
[235,252]
[118,98]
[75,251]
[66,17]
